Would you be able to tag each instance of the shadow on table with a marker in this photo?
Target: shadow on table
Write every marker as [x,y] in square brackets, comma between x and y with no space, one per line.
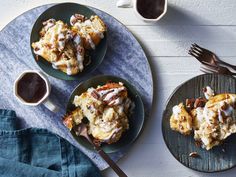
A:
[177,16]
[183,27]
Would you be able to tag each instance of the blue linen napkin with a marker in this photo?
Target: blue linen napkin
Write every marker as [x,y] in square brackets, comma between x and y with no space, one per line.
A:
[34,152]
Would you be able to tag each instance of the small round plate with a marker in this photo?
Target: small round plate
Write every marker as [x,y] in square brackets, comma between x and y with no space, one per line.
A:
[136,119]
[219,158]
[63,12]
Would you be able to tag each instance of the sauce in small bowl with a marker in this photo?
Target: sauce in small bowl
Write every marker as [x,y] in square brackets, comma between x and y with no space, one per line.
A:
[150,10]
[31,88]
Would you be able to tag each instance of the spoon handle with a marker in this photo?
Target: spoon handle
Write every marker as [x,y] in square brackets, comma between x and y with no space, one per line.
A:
[110,162]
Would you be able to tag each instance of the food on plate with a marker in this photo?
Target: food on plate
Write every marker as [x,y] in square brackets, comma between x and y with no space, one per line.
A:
[180,120]
[74,118]
[218,120]
[106,108]
[212,119]
[91,30]
[66,47]
[208,92]
[56,46]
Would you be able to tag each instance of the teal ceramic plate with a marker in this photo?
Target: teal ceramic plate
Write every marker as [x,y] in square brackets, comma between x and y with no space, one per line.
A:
[219,158]
[136,119]
[63,12]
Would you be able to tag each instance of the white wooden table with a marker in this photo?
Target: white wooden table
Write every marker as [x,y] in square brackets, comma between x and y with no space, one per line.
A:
[211,24]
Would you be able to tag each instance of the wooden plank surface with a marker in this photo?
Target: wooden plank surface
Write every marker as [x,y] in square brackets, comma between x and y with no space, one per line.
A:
[210,23]
[171,40]
[180,12]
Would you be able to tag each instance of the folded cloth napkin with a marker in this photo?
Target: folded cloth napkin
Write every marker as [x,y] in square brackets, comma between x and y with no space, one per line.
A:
[34,152]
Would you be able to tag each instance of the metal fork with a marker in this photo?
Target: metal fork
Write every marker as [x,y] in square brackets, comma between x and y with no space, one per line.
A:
[83,131]
[209,68]
[206,56]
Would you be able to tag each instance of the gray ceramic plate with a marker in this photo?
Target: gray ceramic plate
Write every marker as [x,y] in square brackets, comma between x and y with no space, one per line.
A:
[63,12]
[219,158]
[136,119]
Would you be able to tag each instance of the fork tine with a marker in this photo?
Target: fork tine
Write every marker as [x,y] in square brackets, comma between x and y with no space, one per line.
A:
[193,54]
[205,71]
[207,66]
[195,45]
[203,49]
[196,49]
[212,69]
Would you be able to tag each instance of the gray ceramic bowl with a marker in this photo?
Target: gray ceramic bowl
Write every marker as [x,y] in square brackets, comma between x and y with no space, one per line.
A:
[136,119]
[63,12]
[219,158]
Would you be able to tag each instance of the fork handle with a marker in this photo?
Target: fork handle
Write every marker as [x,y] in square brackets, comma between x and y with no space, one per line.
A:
[110,162]
[227,64]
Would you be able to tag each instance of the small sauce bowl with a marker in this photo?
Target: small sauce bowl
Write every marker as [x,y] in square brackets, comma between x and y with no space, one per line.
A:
[150,10]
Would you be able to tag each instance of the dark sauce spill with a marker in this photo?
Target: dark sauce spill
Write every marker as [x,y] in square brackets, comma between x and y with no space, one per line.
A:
[150,9]
[31,88]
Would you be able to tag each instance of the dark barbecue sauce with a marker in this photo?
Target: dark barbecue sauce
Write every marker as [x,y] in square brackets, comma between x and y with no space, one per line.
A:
[31,88]
[150,9]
